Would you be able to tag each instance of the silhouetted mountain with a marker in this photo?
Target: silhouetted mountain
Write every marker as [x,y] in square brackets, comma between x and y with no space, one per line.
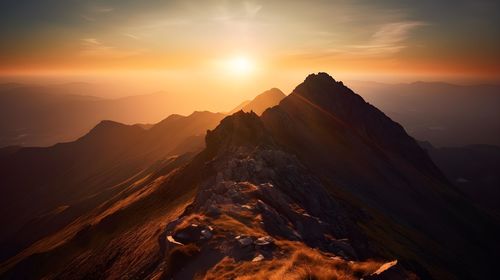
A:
[45,115]
[443,114]
[322,185]
[80,175]
[372,162]
[239,107]
[261,102]
[474,169]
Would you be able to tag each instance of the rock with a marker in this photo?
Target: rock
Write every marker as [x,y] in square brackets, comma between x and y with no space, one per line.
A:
[343,248]
[264,241]
[246,206]
[258,258]
[192,234]
[392,271]
[206,234]
[172,240]
[212,211]
[244,241]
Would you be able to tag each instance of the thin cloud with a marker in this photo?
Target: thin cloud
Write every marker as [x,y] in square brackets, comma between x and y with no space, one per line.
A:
[394,33]
[95,48]
[386,40]
[389,38]
[131,36]
[252,9]
[246,10]
[88,18]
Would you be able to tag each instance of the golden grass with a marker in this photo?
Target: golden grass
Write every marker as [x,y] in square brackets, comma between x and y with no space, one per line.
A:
[298,262]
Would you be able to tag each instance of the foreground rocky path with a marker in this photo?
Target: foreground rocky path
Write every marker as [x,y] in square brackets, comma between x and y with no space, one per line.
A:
[264,216]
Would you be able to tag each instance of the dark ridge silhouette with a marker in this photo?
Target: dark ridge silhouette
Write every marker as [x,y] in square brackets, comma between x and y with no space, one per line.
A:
[76,176]
[261,102]
[46,115]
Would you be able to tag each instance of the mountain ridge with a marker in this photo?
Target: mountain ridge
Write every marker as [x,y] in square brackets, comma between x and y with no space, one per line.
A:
[293,193]
[261,102]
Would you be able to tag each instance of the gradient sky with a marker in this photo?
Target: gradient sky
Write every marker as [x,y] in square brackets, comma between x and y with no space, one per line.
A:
[387,39]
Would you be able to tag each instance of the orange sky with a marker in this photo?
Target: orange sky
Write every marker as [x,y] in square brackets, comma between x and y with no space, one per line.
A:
[191,46]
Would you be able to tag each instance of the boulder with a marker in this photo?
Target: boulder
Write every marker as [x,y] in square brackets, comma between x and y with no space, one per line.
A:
[244,240]
[264,241]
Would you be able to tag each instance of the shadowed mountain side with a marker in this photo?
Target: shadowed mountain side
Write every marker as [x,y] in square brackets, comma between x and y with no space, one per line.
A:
[373,163]
[252,207]
[261,102]
[61,182]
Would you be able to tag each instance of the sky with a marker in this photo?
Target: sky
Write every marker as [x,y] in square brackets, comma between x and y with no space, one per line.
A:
[243,47]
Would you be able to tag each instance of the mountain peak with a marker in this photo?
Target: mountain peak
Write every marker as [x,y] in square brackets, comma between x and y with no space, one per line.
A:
[106,125]
[261,102]
[239,129]
[321,76]
[273,92]
[110,129]
[322,88]
[332,100]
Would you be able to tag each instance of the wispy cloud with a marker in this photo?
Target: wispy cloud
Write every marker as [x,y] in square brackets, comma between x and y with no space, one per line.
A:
[252,9]
[386,40]
[93,12]
[389,38]
[88,18]
[95,48]
[246,10]
[132,36]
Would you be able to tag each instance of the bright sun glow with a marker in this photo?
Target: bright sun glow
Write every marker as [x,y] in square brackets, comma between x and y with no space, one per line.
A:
[240,65]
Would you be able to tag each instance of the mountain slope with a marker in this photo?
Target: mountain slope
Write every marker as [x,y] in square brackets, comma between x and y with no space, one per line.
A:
[252,207]
[261,102]
[46,188]
[373,163]
[45,115]
[323,185]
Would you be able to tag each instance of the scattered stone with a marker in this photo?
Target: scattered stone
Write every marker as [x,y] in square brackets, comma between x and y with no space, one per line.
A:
[343,248]
[258,258]
[244,241]
[206,234]
[264,241]
[213,211]
[172,240]
[385,267]
[246,206]
[392,271]
[192,234]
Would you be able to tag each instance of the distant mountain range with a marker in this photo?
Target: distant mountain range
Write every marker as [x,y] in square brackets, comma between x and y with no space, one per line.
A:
[441,113]
[46,115]
[321,185]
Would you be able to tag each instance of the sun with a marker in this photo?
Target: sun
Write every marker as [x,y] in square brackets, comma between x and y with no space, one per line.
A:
[240,65]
